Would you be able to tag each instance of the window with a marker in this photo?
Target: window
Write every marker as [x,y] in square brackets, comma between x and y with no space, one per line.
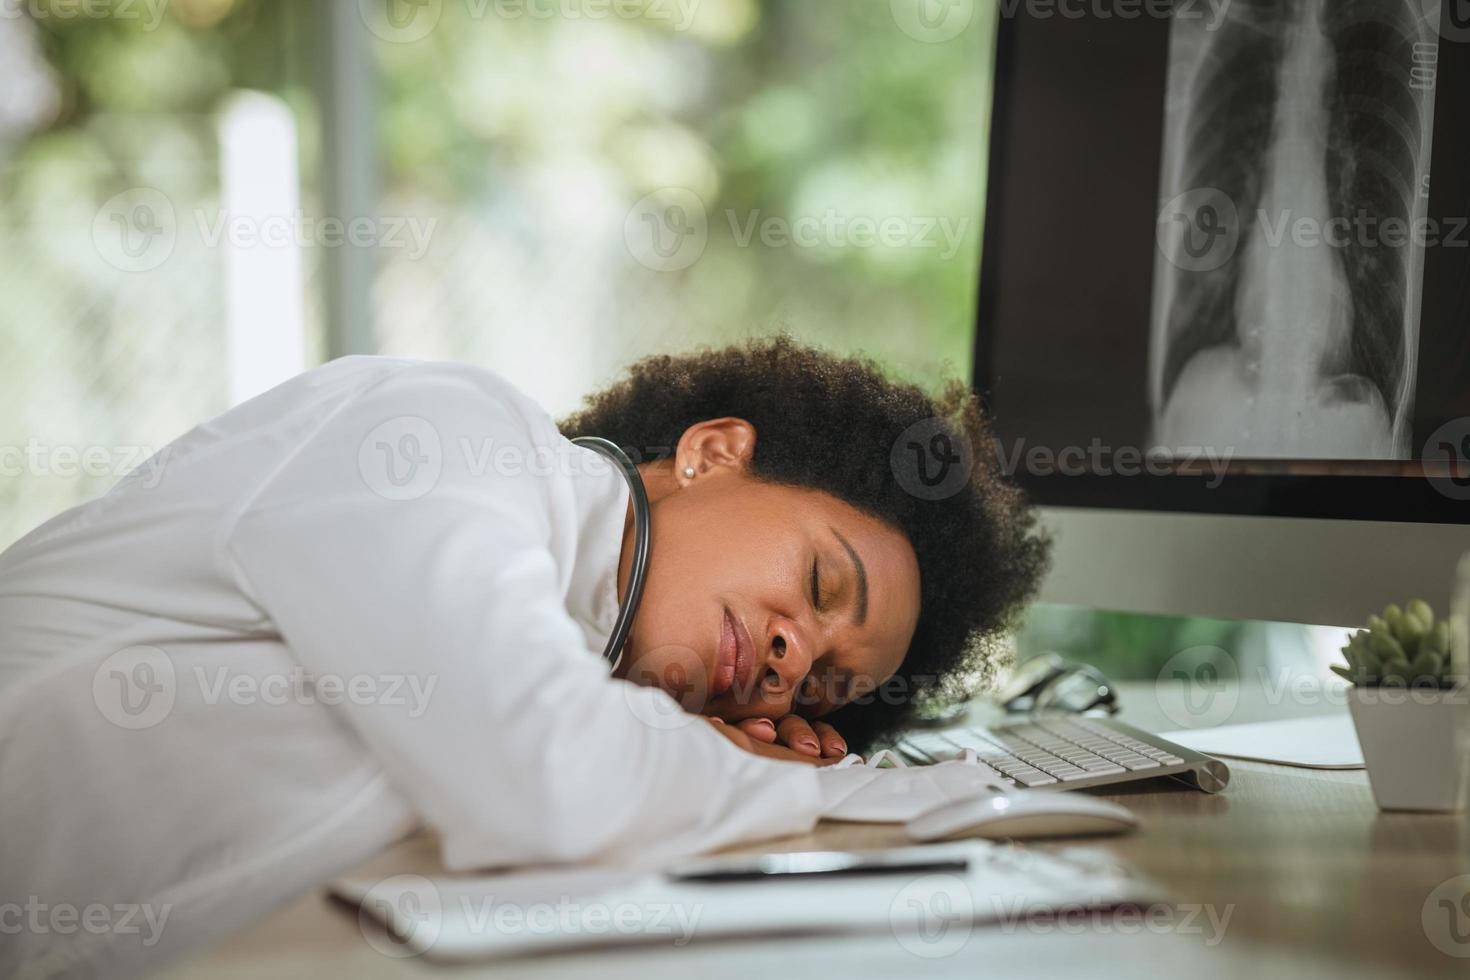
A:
[597,181]
[200,198]
[141,146]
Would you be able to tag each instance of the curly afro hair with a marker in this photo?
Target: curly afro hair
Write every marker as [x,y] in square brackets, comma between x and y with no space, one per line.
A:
[834,424]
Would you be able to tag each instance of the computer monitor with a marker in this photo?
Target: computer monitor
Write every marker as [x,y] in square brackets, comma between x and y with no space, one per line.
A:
[1224,308]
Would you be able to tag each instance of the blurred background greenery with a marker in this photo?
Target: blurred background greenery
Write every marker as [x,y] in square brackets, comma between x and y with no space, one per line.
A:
[527,138]
[523,134]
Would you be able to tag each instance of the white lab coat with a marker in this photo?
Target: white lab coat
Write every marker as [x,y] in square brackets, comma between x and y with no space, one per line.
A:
[168,770]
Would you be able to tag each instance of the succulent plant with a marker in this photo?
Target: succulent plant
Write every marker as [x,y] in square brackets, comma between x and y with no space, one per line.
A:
[1404,647]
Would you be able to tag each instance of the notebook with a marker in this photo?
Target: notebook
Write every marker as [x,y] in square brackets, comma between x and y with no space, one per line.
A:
[463,918]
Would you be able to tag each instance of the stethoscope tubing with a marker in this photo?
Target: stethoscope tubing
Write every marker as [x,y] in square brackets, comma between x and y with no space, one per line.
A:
[638,574]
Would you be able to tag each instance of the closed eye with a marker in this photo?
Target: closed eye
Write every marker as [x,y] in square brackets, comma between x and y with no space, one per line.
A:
[816,588]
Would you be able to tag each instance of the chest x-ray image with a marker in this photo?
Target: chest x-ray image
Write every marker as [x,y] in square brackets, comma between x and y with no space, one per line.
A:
[1286,301]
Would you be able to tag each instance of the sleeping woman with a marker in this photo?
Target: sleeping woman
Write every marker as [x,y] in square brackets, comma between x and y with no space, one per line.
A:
[377,597]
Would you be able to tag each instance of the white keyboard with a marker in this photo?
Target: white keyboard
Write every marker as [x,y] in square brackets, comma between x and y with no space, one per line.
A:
[1070,753]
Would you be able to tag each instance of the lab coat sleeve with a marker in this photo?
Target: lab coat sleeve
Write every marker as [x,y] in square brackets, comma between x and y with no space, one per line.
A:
[440,619]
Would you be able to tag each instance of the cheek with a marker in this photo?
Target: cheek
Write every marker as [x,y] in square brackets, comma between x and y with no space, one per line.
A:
[707,545]
[680,535]
[680,598]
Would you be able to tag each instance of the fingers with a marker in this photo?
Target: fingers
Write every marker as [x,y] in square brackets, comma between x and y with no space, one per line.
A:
[770,750]
[763,729]
[816,738]
[811,738]
[833,744]
[796,732]
[788,755]
[792,738]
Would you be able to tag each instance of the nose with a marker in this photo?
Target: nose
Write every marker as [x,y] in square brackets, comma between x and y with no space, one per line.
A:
[788,659]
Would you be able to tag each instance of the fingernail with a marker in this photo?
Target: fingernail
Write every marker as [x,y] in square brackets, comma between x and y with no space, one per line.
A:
[767,724]
[840,748]
[717,719]
[809,744]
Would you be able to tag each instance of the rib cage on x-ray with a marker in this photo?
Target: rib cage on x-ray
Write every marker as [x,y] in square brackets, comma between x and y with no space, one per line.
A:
[1294,110]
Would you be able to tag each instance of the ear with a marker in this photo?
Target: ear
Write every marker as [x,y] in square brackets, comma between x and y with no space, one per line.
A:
[719,445]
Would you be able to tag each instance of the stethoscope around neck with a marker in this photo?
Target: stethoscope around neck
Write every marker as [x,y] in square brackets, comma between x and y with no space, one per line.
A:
[639,572]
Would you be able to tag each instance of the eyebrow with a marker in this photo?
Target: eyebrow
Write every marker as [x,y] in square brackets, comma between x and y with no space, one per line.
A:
[862,577]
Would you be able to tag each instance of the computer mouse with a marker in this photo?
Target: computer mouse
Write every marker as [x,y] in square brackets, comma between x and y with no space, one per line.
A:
[1021,814]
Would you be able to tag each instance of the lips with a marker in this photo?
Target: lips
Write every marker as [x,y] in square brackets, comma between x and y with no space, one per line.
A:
[736,656]
[727,656]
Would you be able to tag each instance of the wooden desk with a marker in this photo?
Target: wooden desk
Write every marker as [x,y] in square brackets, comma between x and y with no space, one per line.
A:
[1316,883]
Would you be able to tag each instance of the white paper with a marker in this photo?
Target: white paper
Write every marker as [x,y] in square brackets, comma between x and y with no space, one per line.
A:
[1326,742]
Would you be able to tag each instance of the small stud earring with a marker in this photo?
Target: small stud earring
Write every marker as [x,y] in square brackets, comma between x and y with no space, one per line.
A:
[688,472]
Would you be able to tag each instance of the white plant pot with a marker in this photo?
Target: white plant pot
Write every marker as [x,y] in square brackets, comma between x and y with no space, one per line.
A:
[1416,744]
